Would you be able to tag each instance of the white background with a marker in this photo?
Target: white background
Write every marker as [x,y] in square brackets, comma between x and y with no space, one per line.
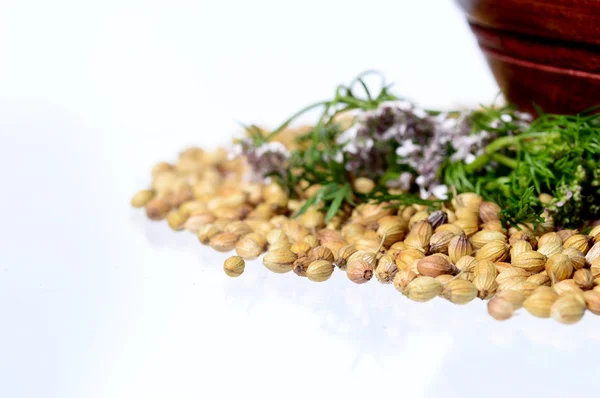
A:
[96,301]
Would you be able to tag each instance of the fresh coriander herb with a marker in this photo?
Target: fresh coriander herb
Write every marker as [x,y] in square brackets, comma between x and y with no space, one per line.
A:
[417,156]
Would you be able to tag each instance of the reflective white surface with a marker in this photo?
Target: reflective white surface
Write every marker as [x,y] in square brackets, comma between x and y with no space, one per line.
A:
[97,301]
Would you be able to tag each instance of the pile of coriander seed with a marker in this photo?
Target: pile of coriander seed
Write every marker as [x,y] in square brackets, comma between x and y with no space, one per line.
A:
[460,252]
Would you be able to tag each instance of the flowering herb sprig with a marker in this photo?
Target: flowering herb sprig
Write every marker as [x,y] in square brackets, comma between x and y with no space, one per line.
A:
[418,156]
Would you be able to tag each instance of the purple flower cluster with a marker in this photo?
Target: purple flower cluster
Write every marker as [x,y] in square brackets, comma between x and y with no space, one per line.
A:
[422,142]
[264,159]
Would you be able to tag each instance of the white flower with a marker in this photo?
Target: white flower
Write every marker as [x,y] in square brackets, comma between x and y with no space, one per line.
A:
[470,158]
[506,118]
[440,191]
[338,158]
[524,116]
[347,135]
[272,147]
[407,148]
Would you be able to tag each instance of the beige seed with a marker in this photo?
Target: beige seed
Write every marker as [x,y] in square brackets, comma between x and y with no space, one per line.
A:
[579,242]
[559,266]
[439,241]
[502,266]
[568,286]
[465,267]
[577,257]
[584,279]
[360,271]
[300,266]
[523,235]
[459,247]
[481,238]
[568,309]
[239,228]
[234,266]
[550,237]
[485,274]
[520,246]
[334,247]
[301,248]
[343,254]
[595,268]
[541,279]
[488,211]
[157,209]
[550,249]
[319,270]
[224,242]
[191,207]
[566,233]
[321,253]
[402,279]
[459,291]
[444,278]
[468,200]
[161,167]
[176,220]
[515,297]
[311,240]
[198,220]
[540,302]
[530,261]
[511,277]
[500,309]
[418,216]
[592,300]
[279,261]
[141,198]
[435,266]
[391,231]
[405,258]
[467,226]
[363,185]
[547,225]
[456,230]
[207,232]
[423,289]
[275,236]
[593,253]
[386,269]
[250,246]
[367,256]
[527,288]
[493,251]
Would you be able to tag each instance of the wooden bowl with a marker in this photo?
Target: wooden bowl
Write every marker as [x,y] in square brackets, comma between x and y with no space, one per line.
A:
[542,52]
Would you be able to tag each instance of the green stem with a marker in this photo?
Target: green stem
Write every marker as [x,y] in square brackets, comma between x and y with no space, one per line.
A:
[497,145]
[505,160]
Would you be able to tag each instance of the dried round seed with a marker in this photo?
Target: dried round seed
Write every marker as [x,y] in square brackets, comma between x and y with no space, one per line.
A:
[234,266]
[459,291]
[280,261]
[423,289]
[157,209]
[500,309]
[402,279]
[359,271]
[319,270]
[568,309]
[141,198]
[224,242]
